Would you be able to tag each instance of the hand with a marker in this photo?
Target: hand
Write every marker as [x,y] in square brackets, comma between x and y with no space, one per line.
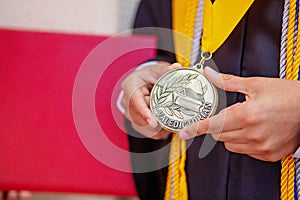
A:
[14,195]
[266,126]
[137,87]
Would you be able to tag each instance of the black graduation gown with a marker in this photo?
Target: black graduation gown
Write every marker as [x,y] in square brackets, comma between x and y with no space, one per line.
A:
[252,49]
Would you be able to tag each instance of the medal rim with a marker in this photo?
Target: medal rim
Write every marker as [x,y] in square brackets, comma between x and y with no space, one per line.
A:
[214,89]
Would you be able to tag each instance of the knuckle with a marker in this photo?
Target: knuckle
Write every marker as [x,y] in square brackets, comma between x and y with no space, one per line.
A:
[157,74]
[264,148]
[270,158]
[228,80]
[253,81]
[155,137]
[159,135]
[252,116]
[230,147]
[125,82]
[217,137]
[131,101]
[227,77]
[255,138]
[259,157]
[205,126]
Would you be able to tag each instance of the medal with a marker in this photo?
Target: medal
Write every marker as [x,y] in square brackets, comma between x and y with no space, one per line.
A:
[182,97]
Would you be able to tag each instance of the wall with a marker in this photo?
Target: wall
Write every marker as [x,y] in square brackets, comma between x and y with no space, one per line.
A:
[75,16]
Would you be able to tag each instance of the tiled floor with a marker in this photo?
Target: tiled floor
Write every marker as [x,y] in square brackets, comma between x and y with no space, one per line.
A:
[59,196]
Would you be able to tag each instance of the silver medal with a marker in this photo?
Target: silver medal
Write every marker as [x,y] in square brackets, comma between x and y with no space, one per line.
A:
[182,97]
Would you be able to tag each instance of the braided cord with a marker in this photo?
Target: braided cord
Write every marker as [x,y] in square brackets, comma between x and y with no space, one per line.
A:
[172,185]
[297,38]
[297,167]
[284,179]
[291,178]
[289,69]
[296,67]
[287,178]
[190,19]
[176,188]
[284,31]
[198,28]
[291,42]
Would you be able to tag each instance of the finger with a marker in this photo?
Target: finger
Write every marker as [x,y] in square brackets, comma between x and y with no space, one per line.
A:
[240,148]
[176,66]
[269,157]
[150,132]
[227,82]
[138,109]
[230,107]
[270,152]
[255,151]
[157,72]
[230,136]
[222,122]
[127,112]
[142,116]
[147,100]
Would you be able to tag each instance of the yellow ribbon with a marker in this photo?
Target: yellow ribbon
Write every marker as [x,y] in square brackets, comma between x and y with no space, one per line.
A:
[219,20]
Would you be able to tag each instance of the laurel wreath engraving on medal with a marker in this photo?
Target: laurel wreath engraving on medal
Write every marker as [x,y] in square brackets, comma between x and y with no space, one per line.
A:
[181,95]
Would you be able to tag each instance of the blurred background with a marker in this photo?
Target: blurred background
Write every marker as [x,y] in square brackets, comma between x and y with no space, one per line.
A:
[71,16]
[92,17]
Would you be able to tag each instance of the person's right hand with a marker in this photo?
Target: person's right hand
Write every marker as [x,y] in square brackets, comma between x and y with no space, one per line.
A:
[137,87]
[15,195]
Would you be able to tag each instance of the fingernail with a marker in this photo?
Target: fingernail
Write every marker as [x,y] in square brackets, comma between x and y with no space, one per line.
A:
[147,114]
[151,121]
[184,135]
[176,65]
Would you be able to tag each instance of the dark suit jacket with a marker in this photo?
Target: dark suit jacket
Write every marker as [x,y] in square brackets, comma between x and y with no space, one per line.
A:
[252,49]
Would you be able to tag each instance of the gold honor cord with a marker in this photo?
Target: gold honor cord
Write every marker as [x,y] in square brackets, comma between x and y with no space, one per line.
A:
[176,187]
[292,71]
[219,20]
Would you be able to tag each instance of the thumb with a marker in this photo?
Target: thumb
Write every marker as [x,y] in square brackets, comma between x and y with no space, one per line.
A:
[227,82]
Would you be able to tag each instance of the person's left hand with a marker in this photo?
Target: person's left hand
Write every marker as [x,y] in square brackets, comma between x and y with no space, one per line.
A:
[266,126]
